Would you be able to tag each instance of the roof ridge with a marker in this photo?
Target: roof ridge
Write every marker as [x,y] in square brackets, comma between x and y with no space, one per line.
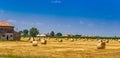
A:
[3,23]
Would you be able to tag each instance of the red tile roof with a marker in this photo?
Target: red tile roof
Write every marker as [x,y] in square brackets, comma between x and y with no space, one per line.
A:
[2,23]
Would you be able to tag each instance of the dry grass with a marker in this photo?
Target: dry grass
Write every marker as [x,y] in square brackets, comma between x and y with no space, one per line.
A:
[55,49]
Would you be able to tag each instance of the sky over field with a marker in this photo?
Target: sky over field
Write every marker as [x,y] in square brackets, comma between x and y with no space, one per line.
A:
[85,17]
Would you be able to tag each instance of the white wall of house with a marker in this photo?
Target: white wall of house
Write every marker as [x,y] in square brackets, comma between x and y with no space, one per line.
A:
[41,35]
[9,35]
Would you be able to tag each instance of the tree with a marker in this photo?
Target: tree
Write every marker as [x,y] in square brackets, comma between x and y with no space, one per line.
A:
[21,33]
[33,32]
[25,32]
[77,35]
[59,34]
[52,33]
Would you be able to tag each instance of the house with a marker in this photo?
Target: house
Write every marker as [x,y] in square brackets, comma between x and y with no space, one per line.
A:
[41,35]
[7,32]
[69,35]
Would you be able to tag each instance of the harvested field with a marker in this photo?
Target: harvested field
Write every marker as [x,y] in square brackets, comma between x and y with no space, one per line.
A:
[55,49]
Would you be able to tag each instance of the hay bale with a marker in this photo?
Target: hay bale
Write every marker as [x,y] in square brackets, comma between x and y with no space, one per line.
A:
[60,40]
[119,40]
[99,41]
[39,38]
[35,43]
[71,40]
[66,38]
[28,38]
[107,41]
[83,39]
[55,38]
[101,45]
[31,40]
[43,41]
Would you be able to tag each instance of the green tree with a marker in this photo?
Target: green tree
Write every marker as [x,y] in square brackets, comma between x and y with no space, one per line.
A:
[21,33]
[59,34]
[52,33]
[33,32]
[25,32]
[77,35]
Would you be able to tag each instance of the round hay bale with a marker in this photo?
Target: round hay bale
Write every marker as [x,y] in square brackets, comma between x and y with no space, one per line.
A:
[66,38]
[31,40]
[99,41]
[101,45]
[55,38]
[35,43]
[84,40]
[71,40]
[43,41]
[60,40]
[119,40]
[107,41]
[39,38]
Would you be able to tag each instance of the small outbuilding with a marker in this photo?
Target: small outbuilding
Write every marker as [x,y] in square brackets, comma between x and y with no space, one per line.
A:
[7,32]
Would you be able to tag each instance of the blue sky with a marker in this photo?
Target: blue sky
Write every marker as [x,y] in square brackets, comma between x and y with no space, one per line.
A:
[86,17]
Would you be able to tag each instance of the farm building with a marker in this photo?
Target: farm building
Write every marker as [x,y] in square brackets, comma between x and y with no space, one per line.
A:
[41,35]
[7,32]
[69,35]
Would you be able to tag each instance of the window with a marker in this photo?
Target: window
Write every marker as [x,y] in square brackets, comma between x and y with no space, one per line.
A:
[3,35]
[11,36]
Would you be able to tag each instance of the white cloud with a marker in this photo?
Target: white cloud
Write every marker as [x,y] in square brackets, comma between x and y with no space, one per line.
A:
[56,1]
[11,20]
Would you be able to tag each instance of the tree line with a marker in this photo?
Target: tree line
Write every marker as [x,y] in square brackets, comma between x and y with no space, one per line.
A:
[33,32]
